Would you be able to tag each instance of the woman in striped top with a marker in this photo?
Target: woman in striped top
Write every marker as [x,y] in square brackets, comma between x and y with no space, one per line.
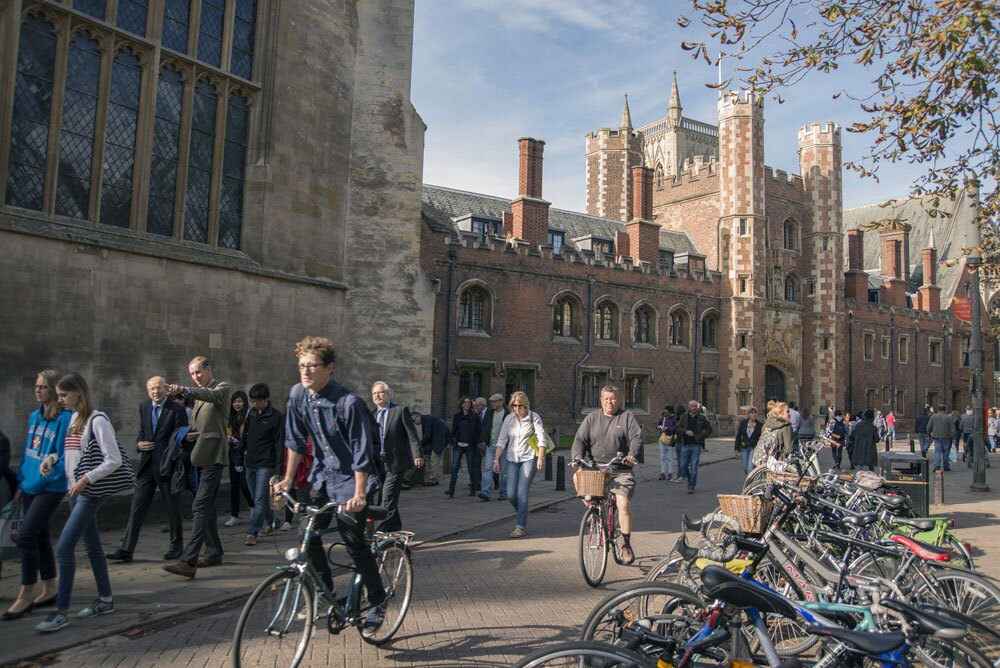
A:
[86,426]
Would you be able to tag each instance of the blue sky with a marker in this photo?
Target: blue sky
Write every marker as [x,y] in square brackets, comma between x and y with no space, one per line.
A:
[486,72]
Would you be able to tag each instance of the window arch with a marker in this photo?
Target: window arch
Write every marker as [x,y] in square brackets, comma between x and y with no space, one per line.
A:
[475,308]
[710,330]
[606,321]
[644,324]
[566,316]
[793,288]
[680,327]
[791,234]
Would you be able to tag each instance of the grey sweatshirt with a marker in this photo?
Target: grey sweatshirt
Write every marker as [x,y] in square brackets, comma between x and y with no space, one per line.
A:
[604,437]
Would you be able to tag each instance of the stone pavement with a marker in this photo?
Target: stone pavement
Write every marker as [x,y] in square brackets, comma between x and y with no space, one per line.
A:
[480,598]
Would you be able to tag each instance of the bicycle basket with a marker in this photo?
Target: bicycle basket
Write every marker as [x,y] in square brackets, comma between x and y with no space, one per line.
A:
[785,476]
[752,512]
[594,484]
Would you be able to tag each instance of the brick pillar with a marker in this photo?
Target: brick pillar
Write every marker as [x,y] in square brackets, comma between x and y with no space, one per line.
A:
[644,235]
[856,280]
[530,211]
[930,293]
[893,267]
[855,249]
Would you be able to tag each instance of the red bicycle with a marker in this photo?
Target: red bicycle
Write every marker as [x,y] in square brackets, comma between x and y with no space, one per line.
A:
[599,529]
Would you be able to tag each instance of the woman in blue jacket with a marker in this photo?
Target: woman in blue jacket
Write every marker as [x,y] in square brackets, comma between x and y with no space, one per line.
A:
[41,495]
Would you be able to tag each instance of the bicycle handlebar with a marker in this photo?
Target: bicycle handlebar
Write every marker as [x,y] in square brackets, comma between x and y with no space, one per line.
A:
[597,466]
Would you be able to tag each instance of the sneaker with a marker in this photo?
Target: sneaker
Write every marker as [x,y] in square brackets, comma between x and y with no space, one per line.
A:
[55,621]
[678,479]
[501,498]
[98,607]
[374,618]
[628,556]
[232,521]
[251,540]
[518,532]
[690,490]
[663,476]
[287,526]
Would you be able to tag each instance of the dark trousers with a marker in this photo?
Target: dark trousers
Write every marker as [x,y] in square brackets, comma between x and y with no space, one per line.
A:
[838,455]
[206,522]
[238,484]
[391,487]
[146,485]
[471,454]
[351,527]
[33,539]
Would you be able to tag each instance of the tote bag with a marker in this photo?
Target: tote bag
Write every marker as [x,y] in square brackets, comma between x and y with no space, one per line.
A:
[120,480]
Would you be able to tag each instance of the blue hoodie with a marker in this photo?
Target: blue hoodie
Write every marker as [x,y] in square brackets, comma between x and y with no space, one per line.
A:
[45,437]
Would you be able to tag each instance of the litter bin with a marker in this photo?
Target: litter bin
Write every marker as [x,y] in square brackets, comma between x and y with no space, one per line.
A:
[910,472]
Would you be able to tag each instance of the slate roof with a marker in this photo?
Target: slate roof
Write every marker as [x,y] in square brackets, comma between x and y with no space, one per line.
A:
[441,206]
[949,238]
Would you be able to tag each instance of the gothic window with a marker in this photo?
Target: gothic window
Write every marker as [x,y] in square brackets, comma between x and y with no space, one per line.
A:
[591,383]
[791,235]
[658,176]
[566,317]
[202,148]
[132,16]
[210,27]
[119,140]
[645,325]
[606,322]
[792,288]
[519,380]
[166,151]
[473,309]
[79,118]
[636,392]
[29,137]
[95,8]
[709,327]
[473,382]
[176,19]
[233,170]
[680,328]
[243,38]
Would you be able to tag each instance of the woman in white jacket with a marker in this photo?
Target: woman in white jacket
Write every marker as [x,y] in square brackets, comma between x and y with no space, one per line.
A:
[87,426]
[523,458]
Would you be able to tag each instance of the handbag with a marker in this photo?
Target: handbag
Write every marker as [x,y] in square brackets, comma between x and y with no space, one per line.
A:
[120,480]
[532,442]
[11,517]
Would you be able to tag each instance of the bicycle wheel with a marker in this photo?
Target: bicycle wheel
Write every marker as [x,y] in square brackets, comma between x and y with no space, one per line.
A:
[936,653]
[961,556]
[593,548]
[276,623]
[666,609]
[615,531]
[756,480]
[970,598]
[789,636]
[584,654]
[396,569]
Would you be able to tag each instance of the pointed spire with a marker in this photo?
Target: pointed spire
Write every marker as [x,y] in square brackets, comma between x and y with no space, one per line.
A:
[626,115]
[674,110]
[932,244]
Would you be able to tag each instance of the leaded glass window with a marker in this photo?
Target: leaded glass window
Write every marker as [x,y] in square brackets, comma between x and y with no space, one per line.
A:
[132,15]
[119,140]
[233,172]
[95,8]
[199,176]
[213,16]
[243,38]
[604,322]
[471,308]
[643,325]
[166,150]
[76,143]
[176,18]
[29,137]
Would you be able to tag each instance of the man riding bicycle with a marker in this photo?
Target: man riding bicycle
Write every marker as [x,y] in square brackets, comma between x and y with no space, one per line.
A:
[604,435]
[343,469]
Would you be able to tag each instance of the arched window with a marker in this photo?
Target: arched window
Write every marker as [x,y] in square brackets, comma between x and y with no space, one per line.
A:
[199,179]
[709,329]
[791,235]
[119,140]
[658,176]
[566,317]
[79,121]
[792,291]
[644,325]
[233,172]
[680,328]
[166,149]
[474,309]
[606,321]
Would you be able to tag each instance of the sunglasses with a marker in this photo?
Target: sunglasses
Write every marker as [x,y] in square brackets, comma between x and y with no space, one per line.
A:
[518,406]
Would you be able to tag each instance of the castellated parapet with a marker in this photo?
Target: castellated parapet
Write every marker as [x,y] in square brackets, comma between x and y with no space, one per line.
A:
[820,133]
[740,102]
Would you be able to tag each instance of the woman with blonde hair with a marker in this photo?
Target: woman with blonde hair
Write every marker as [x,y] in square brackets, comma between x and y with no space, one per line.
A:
[776,437]
[524,455]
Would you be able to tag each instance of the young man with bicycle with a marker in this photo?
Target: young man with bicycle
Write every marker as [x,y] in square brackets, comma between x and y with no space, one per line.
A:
[344,467]
[604,435]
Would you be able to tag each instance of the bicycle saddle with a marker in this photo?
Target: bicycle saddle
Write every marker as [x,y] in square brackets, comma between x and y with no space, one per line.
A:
[734,590]
[859,519]
[892,502]
[941,627]
[918,524]
[925,551]
[869,643]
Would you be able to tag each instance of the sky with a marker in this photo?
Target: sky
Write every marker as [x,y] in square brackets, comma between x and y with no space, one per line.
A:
[486,72]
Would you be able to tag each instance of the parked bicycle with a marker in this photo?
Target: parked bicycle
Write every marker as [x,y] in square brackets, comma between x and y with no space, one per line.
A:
[599,529]
[278,619]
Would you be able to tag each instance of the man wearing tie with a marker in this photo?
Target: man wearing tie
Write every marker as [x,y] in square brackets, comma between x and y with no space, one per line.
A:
[400,450]
[158,418]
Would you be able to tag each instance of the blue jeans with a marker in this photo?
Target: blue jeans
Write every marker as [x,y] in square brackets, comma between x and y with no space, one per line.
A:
[486,474]
[941,449]
[925,444]
[261,514]
[519,477]
[690,455]
[469,452]
[746,456]
[82,523]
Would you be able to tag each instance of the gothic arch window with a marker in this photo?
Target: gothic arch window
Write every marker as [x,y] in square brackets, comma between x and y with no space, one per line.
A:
[606,321]
[79,122]
[644,322]
[793,288]
[680,327]
[200,157]
[658,176]
[710,330]
[132,15]
[166,152]
[566,316]
[474,308]
[176,21]
[791,235]
[120,139]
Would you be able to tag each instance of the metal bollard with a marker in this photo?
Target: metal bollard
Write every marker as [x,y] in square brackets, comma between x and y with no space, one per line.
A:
[548,466]
[560,474]
[641,456]
[912,446]
[939,487]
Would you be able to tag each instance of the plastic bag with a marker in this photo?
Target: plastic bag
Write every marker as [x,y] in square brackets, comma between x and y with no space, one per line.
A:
[953,454]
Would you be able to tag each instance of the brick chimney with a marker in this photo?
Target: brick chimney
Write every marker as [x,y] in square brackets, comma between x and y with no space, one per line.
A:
[895,265]
[930,293]
[622,245]
[530,211]
[856,280]
[644,234]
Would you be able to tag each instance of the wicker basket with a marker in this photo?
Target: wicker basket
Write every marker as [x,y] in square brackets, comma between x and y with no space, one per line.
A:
[752,512]
[594,484]
[791,478]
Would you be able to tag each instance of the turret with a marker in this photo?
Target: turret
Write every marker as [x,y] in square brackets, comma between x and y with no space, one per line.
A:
[674,109]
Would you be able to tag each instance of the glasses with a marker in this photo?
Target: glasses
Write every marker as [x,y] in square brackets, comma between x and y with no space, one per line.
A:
[518,406]
[309,367]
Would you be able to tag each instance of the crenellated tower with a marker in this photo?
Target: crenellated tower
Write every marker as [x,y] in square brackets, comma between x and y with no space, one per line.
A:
[611,155]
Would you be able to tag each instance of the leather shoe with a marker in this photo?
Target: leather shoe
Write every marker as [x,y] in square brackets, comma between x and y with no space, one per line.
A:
[431,484]
[172,555]
[206,561]
[120,555]
[181,568]
[9,616]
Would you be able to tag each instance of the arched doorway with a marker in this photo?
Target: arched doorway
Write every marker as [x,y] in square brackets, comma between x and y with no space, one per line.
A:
[774,383]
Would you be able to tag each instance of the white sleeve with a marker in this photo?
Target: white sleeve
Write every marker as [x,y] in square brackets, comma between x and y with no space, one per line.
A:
[104,432]
[505,428]
[536,421]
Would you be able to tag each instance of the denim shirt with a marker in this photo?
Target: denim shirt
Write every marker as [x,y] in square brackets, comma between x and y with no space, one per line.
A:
[339,449]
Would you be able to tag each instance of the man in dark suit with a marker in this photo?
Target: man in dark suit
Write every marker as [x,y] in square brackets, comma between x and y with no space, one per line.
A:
[433,441]
[492,421]
[400,451]
[158,418]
